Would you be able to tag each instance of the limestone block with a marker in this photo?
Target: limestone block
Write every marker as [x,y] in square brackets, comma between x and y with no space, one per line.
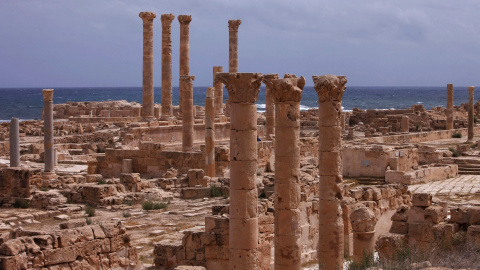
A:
[460,215]
[444,231]
[399,227]
[473,235]
[422,199]
[12,247]
[416,215]
[60,255]
[217,225]
[434,214]
[420,232]
[244,241]
[387,244]
[474,215]
[363,220]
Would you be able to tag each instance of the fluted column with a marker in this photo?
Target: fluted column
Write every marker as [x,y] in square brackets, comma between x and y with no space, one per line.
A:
[48,129]
[471,90]
[187,118]
[449,106]
[287,93]
[210,133]
[243,89]
[233,45]
[330,89]
[184,21]
[148,97]
[167,110]
[14,143]
[269,105]
[218,91]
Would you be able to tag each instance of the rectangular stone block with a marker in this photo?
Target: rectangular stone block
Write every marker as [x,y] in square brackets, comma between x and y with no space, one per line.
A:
[249,238]
[422,199]
[60,255]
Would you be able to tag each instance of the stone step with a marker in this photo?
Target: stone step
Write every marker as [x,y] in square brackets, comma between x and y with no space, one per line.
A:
[371,181]
[471,172]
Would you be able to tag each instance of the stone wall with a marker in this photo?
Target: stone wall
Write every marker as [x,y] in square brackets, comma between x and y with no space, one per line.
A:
[120,108]
[15,182]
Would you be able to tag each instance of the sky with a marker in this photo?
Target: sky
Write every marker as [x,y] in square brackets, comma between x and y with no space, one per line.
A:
[98,43]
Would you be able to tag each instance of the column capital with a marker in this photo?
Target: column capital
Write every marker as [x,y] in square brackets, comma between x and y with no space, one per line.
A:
[242,87]
[234,24]
[471,89]
[167,19]
[184,19]
[47,94]
[288,89]
[267,78]
[187,78]
[329,87]
[210,92]
[147,15]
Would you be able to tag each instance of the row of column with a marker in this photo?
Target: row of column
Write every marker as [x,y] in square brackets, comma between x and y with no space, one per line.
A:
[450,114]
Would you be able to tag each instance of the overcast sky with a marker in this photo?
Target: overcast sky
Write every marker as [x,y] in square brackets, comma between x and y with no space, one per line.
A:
[53,43]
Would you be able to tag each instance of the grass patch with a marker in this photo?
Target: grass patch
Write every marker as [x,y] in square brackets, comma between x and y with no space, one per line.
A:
[88,221]
[129,203]
[215,191]
[457,135]
[21,204]
[90,210]
[102,182]
[126,214]
[454,151]
[150,205]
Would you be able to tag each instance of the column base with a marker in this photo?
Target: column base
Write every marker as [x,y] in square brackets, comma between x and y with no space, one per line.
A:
[167,117]
[149,119]
[49,180]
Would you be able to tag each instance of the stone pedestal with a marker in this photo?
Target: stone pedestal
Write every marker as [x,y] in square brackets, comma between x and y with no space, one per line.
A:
[269,106]
[363,227]
[167,110]
[243,89]
[449,106]
[471,116]
[405,126]
[210,133]
[187,115]
[330,89]
[48,129]
[218,92]
[148,96]
[14,143]
[287,93]
[233,45]
[184,21]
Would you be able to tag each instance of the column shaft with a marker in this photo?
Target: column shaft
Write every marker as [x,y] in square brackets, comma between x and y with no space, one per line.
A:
[449,106]
[269,106]
[14,143]
[48,129]
[148,96]
[184,21]
[218,91]
[187,118]
[471,90]
[167,110]
[233,45]
[210,133]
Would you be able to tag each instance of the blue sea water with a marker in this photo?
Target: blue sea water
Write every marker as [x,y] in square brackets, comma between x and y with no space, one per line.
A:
[27,103]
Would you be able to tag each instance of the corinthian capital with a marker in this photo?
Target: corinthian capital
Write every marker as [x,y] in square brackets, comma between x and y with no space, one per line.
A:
[147,15]
[267,79]
[234,24]
[288,89]
[242,87]
[329,87]
[47,94]
[184,19]
[167,19]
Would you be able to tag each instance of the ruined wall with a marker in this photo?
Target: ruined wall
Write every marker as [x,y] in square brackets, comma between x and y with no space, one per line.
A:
[16,182]
[120,108]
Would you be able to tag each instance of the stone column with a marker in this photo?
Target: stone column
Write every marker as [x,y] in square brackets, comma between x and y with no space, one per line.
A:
[210,133]
[187,116]
[342,120]
[287,93]
[218,91]
[449,106]
[471,90]
[233,45]
[14,143]
[167,110]
[147,102]
[269,105]
[243,89]
[363,226]
[405,124]
[184,21]
[330,89]
[48,129]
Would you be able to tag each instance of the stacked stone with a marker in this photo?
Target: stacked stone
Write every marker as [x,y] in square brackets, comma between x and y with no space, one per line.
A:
[14,143]
[269,105]
[167,110]
[148,97]
[233,45]
[330,89]
[405,126]
[187,116]
[48,129]
[363,226]
[287,93]
[243,89]
[210,133]
[471,90]
[218,91]
[449,106]
[184,21]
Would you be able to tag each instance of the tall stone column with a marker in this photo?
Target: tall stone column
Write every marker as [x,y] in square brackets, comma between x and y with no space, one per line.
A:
[287,93]
[449,106]
[210,133]
[471,90]
[48,129]
[184,21]
[243,89]
[167,110]
[187,118]
[330,89]
[269,105]
[218,91]
[233,45]
[148,98]
[14,143]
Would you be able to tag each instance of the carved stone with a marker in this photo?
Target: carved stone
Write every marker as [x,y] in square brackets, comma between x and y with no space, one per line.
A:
[210,133]
[363,226]
[233,45]
[471,117]
[167,110]
[449,106]
[269,105]
[48,129]
[148,94]
[184,21]
[187,116]
[218,91]
[241,87]
[14,143]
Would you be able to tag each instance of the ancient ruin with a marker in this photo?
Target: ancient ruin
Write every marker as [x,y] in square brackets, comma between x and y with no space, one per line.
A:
[167,110]
[184,21]
[233,45]
[14,143]
[269,106]
[148,96]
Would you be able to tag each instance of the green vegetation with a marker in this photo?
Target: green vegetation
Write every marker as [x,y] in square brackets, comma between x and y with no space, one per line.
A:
[90,210]
[102,182]
[88,221]
[457,135]
[454,151]
[21,204]
[150,205]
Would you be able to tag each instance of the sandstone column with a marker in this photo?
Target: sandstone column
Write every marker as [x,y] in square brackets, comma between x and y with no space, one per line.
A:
[330,89]
[405,126]
[14,143]
[287,93]
[167,110]
[233,45]
[48,129]
[269,105]
[243,89]
[218,91]
[449,106]
[471,90]
[210,133]
[363,226]
[147,102]
[187,116]
[184,21]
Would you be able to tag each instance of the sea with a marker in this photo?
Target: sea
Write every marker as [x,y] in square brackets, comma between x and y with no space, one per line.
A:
[27,103]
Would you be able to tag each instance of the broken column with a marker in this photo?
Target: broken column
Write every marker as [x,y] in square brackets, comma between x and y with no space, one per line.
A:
[471,90]
[243,89]
[269,106]
[14,143]
[184,21]
[167,110]
[363,227]
[233,45]
[210,133]
[218,91]
[148,98]
[449,106]
[187,115]
[48,129]
[405,126]
[287,93]
[330,89]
